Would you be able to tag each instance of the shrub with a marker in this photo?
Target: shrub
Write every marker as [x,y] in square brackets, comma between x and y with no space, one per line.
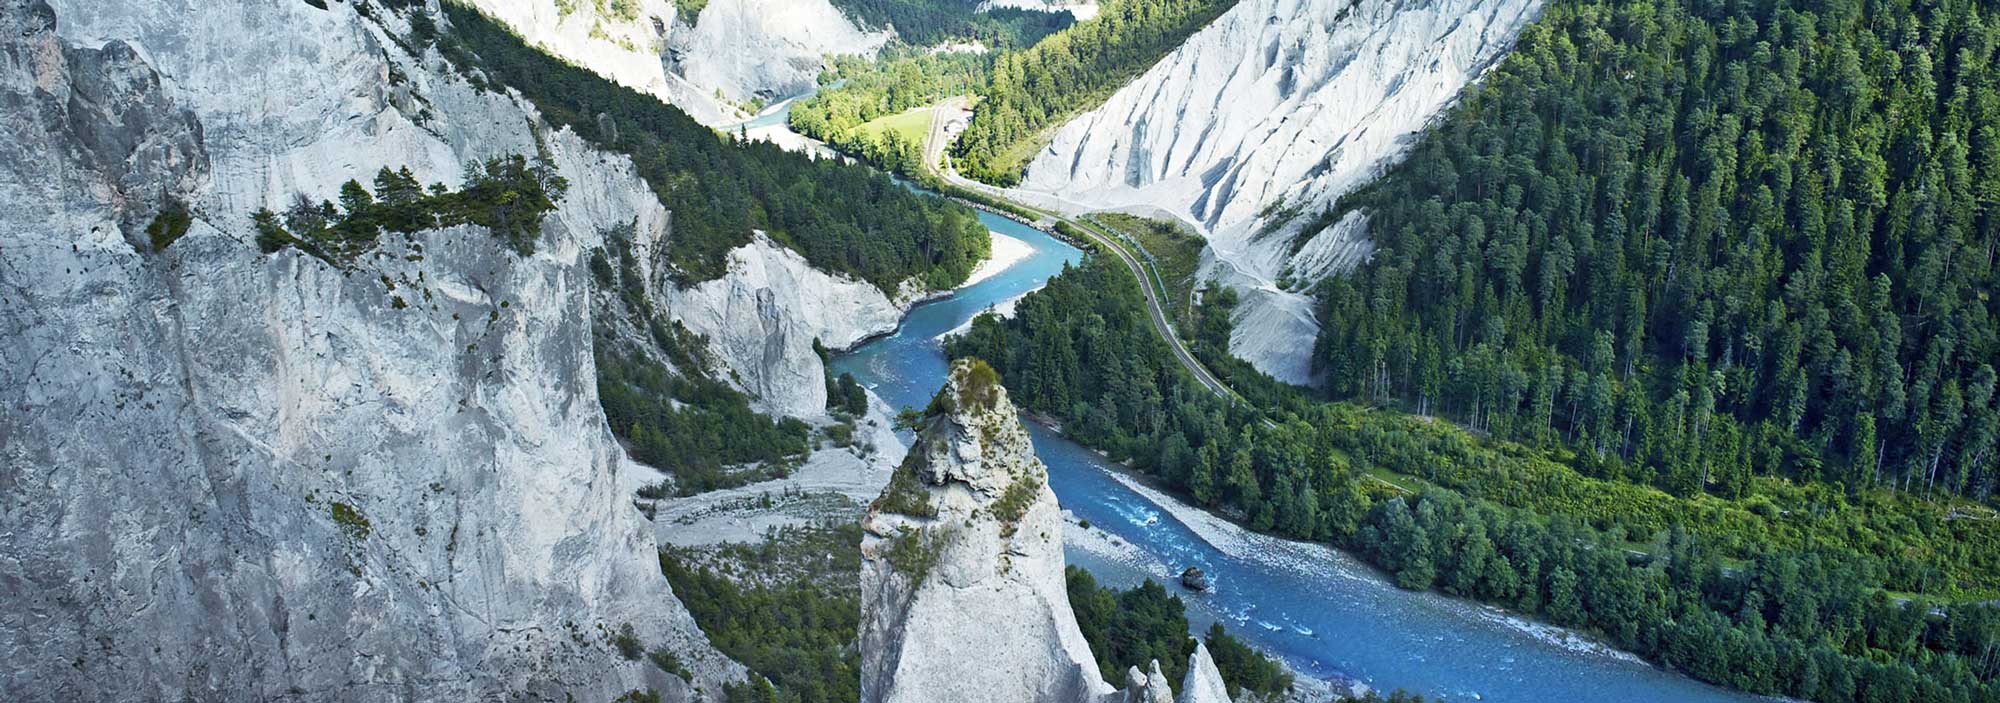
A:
[628,643]
[169,225]
[350,520]
[1014,502]
[670,663]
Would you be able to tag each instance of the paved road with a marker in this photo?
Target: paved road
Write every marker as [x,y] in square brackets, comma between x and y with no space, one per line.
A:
[934,144]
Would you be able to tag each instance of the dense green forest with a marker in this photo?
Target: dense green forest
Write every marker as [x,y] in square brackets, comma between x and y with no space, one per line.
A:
[933,22]
[860,90]
[1034,89]
[1702,243]
[508,196]
[788,609]
[1737,594]
[1133,627]
[842,217]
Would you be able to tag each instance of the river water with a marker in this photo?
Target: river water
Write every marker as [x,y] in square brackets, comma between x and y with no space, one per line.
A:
[1325,613]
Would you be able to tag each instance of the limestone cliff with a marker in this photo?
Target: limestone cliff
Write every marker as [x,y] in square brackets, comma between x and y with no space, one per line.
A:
[764,315]
[231,475]
[1259,122]
[962,592]
[709,63]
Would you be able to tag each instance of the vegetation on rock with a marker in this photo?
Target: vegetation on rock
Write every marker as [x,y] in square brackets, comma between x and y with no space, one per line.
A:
[660,395]
[1034,89]
[167,226]
[842,218]
[787,608]
[508,195]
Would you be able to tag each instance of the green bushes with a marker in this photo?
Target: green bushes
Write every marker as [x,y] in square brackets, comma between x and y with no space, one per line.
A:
[905,494]
[351,521]
[915,552]
[627,642]
[167,226]
[844,395]
[1014,502]
[508,195]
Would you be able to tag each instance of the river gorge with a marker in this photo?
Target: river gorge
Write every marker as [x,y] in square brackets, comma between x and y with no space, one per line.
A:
[1325,613]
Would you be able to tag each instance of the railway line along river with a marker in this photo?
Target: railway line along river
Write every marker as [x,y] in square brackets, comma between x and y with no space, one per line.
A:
[1325,613]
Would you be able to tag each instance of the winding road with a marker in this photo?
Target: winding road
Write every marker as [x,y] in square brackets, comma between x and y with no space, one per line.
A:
[934,143]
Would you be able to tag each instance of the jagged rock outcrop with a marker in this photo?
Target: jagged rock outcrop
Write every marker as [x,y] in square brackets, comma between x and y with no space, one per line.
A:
[1149,687]
[763,316]
[1259,122]
[227,475]
[962,589]
[1203,682]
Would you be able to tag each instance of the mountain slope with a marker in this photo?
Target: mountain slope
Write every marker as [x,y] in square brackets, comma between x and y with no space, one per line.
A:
[1727,242]
[1276,108]
[712,63]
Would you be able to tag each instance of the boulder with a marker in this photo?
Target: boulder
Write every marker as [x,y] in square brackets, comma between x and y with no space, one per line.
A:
[1194,579]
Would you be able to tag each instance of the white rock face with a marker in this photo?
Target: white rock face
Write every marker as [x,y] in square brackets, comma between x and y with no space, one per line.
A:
[764,49]
[988,619]
[1149,687]
[1080,9]
[627,51]
[232,475]
[1277,108]
[739,49]
[762,317]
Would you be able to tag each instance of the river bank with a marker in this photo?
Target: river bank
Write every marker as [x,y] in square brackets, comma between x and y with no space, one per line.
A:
[1006,251]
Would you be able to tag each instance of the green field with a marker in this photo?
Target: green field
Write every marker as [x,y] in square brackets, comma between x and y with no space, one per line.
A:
[911,125]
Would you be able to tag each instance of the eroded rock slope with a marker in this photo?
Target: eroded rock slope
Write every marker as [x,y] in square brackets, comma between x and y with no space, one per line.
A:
[1259,123]
[712,63]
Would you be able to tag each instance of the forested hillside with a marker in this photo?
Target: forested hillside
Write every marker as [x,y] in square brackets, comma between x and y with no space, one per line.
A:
[1786,595]
[1700,242]
[899,79]
[841,217]
[930,22]
[1036,88]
